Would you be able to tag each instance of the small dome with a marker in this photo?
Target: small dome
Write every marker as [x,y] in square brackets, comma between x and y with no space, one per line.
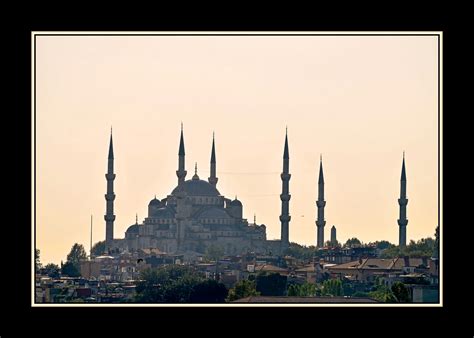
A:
[236,203]
[154,201]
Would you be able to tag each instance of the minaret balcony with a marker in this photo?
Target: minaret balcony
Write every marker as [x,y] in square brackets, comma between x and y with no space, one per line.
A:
[402,222]
[320,204]
[110,177]
[285,218]
[403,201]
[109,218]
[285,176]
[320,223]
[285,197]
[109,197]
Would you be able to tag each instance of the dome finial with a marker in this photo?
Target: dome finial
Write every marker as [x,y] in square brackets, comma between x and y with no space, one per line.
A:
[195,177]
[255,219]
[136,218]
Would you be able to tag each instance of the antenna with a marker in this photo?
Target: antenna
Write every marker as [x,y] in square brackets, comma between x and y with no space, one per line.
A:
[90,252]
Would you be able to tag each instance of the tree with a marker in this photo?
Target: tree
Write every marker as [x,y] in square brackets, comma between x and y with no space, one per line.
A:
[37,260]
[425,247]
[70,269]
[383,294]
[52,270]
[436,249]
[382,245]
[244,288]
[76,254]
[171,284]
[332,287]
[353,242]
[400,291]
[300,251]
[272,284]
[98,248]
[303,290]
[208,291]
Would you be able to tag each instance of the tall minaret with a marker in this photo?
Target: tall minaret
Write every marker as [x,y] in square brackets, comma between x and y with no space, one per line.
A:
[181,173]
[403,201]
[110,196]
[213,179]
[285,198]
[320,203]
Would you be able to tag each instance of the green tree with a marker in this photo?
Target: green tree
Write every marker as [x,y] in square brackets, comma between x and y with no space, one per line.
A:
[382,245]
[300,251]
[332,287]
[37,260]
[382,293]
[272,284]
[424,247]
[352,242]
[400,291]
[243,288]
[52,270]
[98,248]
[76,254]
[169,284]
[303,290]
[70,269]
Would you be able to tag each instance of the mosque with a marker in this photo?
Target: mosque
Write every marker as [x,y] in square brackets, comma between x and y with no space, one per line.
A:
[194,216]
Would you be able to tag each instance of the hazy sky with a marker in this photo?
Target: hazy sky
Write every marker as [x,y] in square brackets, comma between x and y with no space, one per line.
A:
[360,101]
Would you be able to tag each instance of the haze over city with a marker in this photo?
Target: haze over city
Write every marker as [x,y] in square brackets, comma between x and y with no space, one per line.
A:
[360,101]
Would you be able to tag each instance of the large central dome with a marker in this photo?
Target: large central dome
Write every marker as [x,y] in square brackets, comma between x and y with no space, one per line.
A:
[198,188]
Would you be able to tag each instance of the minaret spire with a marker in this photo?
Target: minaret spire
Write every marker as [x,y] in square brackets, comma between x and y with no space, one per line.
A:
[403,201]
[181,172]
[320,203]
[285,198]
[213,178]
[136,218]
[110,196]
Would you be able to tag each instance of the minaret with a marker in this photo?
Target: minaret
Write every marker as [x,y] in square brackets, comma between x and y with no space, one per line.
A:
[285,198]
[213,179]
[403,201]
[333,236]
[320,203]
[110,196]
[181,173]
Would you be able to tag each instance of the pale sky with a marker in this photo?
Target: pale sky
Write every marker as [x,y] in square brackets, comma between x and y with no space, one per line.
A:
[360,101]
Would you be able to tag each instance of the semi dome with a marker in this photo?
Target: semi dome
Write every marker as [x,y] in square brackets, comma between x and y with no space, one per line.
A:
[214,213]
[163,213]
[197,188]
[132,229]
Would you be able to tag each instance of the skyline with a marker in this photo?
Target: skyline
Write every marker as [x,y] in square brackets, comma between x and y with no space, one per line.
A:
[362,154]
